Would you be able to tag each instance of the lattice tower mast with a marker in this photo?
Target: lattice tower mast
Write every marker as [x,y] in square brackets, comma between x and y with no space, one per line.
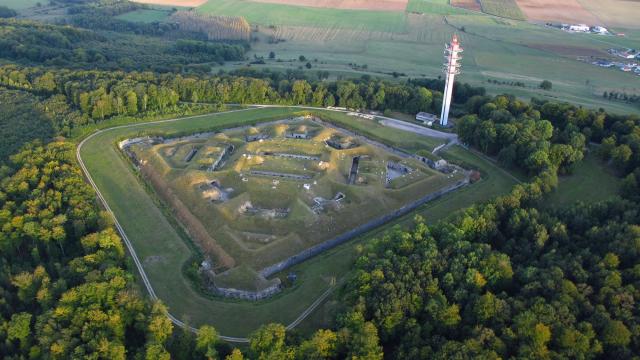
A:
[453,57]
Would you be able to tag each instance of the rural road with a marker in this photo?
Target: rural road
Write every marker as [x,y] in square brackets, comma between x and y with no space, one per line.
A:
[398,124]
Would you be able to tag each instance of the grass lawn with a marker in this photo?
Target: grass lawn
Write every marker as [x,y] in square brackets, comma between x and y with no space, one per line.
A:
[591,181]
[163,252]
[145,15]
[278,14]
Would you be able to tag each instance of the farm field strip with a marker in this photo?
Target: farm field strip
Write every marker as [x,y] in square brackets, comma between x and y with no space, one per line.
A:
[379,5]
[145,15]
[277,14]
[185,3]
[566,11]
[502,8]
[434,7]
[615,13]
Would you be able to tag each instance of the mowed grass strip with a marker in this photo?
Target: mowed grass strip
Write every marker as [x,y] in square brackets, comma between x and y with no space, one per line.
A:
[278,14]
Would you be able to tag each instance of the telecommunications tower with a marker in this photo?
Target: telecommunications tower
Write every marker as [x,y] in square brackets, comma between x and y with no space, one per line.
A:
[451,69]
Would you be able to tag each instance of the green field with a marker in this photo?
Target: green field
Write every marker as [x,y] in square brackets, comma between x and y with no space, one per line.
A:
[436,7]
[276,14]
[161,248]
[590,182]
[22,4]
[502,8]
[496,48]
[146,15]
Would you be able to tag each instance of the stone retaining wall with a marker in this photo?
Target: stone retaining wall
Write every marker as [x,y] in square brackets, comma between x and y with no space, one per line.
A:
[245,294]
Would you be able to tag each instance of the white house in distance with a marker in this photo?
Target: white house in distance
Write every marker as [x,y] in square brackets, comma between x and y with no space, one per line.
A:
[426,118]
[579,28]
[600,30]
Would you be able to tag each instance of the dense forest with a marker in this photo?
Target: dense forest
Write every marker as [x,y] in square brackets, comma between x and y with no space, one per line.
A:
[30,42]
[75,98]
[510,278]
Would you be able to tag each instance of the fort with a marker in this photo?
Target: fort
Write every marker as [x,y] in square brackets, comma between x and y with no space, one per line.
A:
[262,200]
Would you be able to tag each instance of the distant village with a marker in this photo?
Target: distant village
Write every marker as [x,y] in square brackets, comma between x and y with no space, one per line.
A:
[629,64]
[583,28]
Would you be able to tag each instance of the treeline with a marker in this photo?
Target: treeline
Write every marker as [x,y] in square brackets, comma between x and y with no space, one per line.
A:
[63,283]
[6,12]
[621,96]
[102,15]
[92,96]
[218,52]
[31,43]
[507,280]
[540,134]
[520,135]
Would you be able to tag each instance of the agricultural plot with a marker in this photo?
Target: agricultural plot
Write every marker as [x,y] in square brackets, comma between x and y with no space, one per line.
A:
[618,13]
[502,8]
[182,3]
[439,7]
[467,4]
[253,197]
[378,5]
[566,11]
[290,15]
[146,15]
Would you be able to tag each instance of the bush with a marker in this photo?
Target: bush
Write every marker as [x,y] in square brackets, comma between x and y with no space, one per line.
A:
[546,85]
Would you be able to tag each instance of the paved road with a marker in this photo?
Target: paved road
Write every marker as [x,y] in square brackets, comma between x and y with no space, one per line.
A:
[389,122]
[417,129]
